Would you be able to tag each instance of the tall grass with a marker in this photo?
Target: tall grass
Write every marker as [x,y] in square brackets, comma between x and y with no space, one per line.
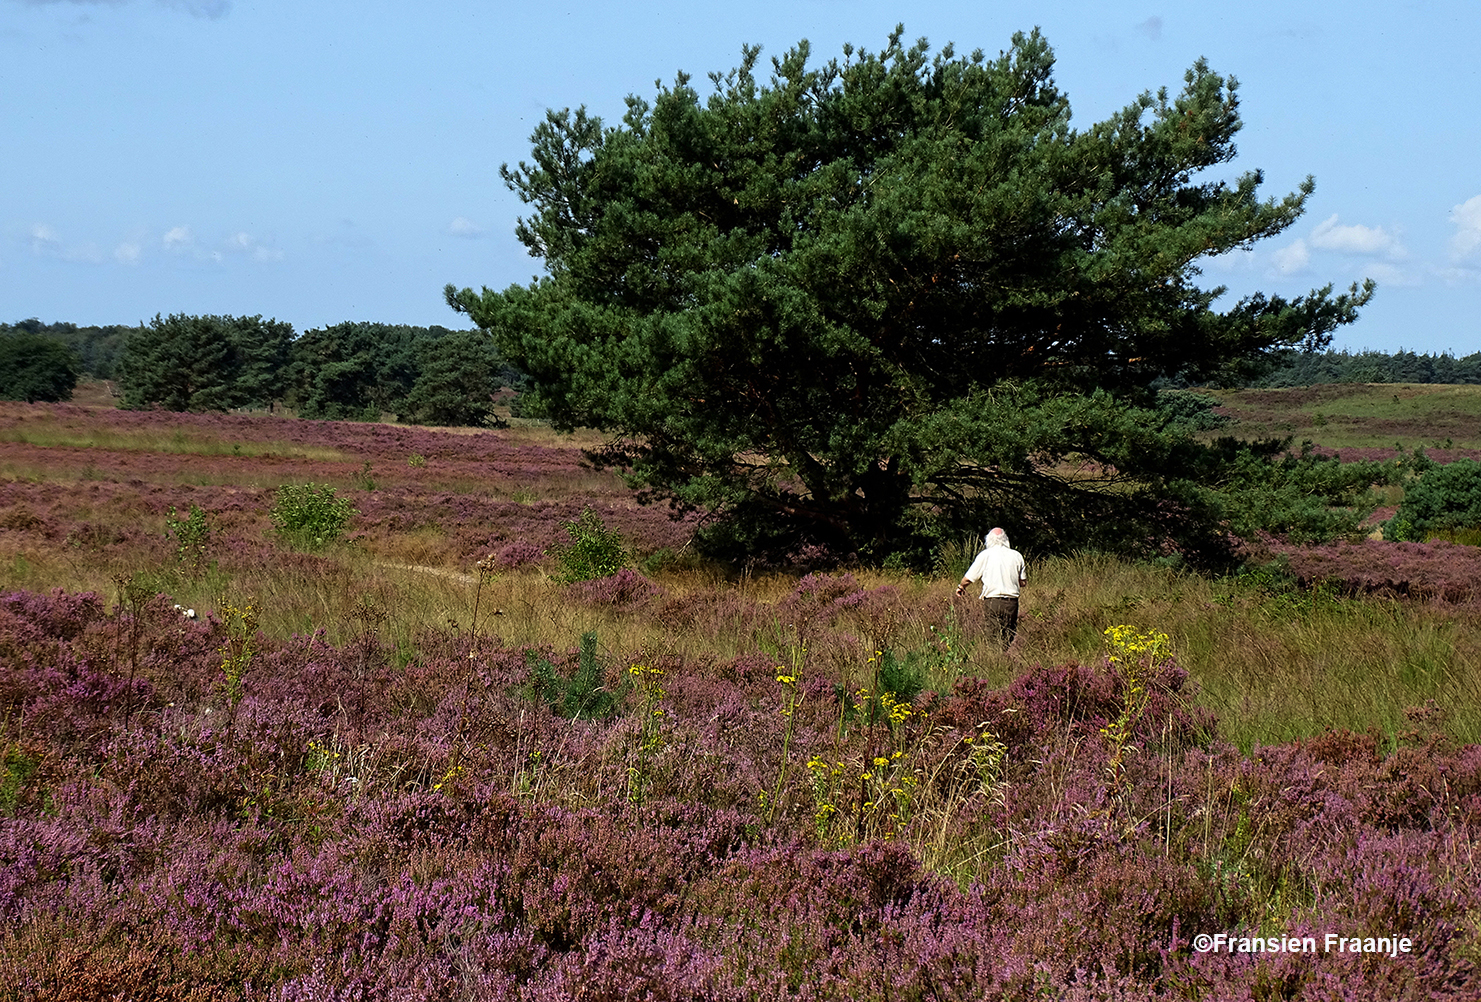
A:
[1272,665]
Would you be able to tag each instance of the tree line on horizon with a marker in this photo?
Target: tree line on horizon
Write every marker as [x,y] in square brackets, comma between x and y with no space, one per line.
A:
[32,368]
[349,371]
[1369,366]
[96,349]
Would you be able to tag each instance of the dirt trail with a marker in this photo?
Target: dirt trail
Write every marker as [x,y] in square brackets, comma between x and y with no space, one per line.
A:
[439,571]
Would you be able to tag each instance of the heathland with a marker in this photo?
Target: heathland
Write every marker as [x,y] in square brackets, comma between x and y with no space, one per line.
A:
[420,759]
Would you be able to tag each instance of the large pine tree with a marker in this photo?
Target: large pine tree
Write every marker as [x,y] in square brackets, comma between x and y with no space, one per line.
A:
[861,303]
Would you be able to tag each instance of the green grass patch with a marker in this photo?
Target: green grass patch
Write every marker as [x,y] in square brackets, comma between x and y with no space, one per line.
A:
[51,435]
[1360,415]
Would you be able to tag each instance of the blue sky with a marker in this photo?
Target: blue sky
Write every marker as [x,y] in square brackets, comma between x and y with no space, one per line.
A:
[320,160]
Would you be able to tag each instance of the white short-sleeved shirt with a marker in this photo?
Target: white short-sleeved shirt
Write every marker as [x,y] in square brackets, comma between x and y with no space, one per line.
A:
[1001,571]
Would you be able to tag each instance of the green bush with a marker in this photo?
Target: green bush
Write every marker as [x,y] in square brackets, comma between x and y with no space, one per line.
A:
[192,536]
[1446,498]
[1190,409]
[309,515]
[595,550]
[1306,497]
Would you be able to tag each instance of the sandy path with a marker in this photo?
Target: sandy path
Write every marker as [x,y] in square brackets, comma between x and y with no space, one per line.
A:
[441,572]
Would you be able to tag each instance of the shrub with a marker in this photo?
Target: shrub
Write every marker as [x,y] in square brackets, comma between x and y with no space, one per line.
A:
[1306,497]
[595,551]
[36,367]
[310,515]
[192,536]
[904,678]
[1445,498]
[1190,409]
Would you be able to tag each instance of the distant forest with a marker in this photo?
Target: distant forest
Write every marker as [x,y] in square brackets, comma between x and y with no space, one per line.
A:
[96,348]
[1310,368]
[347,371]
[435,375]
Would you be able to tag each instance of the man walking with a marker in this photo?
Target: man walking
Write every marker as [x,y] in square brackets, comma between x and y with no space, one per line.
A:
[1000,569]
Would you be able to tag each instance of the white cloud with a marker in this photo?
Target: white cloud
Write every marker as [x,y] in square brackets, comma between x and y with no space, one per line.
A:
[1467,219]
[464,227]
[178,239]
[1354,239]
[182,241]
[1388,274]
[46,242]
[246,244]
[1292,258]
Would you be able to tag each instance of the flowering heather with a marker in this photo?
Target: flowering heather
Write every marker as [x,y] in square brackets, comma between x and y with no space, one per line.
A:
[1432,572]
[806,788]
[347,828]
[625,588]
[517,554]
[480,490]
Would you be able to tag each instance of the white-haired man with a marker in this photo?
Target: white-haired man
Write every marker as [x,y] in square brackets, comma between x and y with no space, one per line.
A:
[1000,568]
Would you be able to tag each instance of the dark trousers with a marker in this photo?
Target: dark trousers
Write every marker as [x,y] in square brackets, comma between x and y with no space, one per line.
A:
[1002,619]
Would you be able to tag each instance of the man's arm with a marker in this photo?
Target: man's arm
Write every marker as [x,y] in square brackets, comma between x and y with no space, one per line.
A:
[974,573]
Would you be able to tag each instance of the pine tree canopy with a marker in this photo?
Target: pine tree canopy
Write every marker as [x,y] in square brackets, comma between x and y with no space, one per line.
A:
[203,363]
[36,367]
[863,303]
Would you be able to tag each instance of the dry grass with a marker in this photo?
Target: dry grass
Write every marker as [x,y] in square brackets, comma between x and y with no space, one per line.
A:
[1271,667]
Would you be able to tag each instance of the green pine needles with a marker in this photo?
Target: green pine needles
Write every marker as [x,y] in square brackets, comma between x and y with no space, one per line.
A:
[582,695]
[869,303]
[1445,500]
